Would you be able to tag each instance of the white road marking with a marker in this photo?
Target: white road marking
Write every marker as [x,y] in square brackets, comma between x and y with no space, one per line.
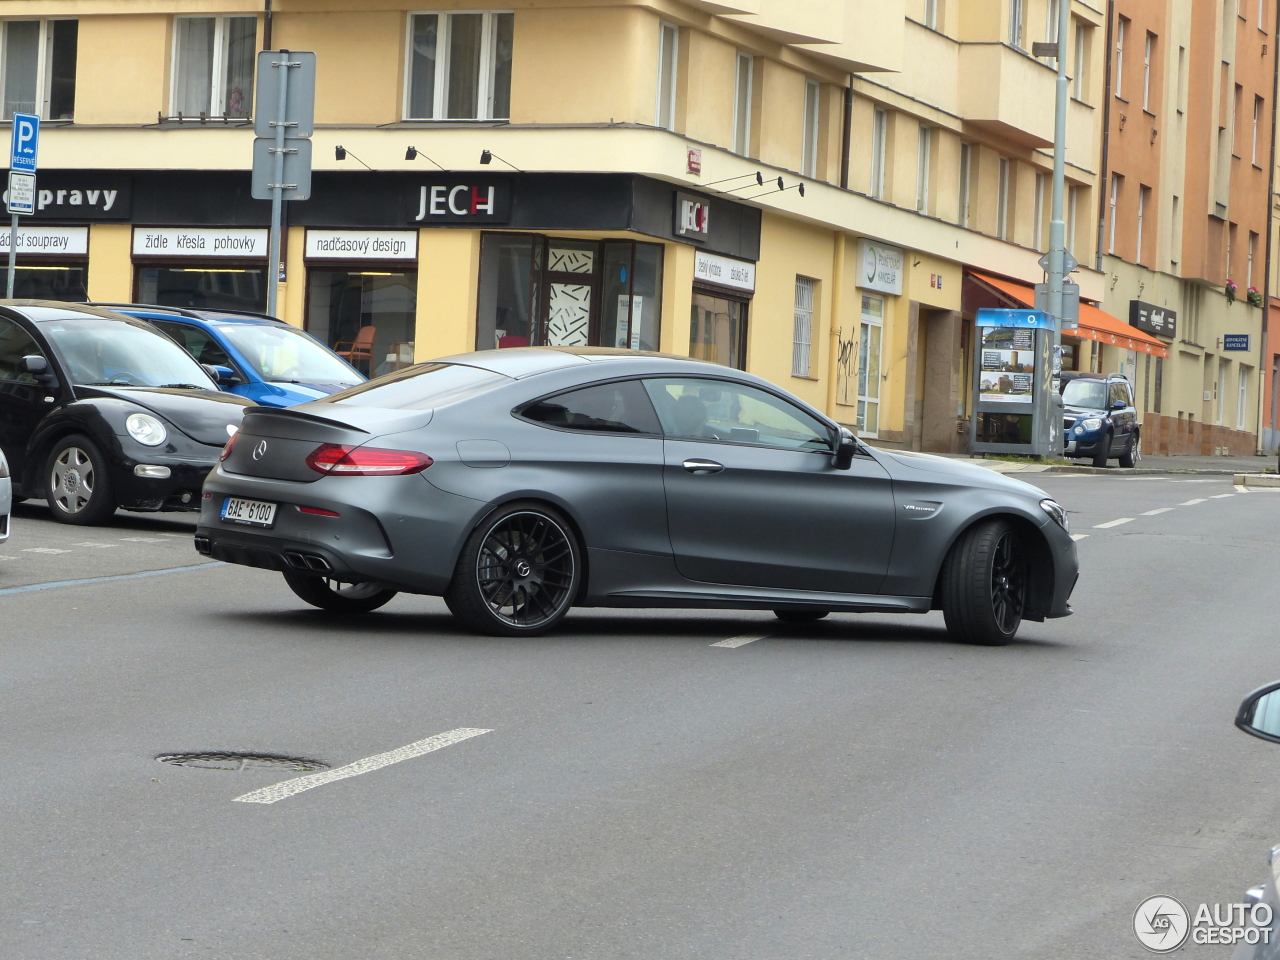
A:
[1219,496]
[90,543]
[8,558]
[44,550]
[1152,513]
[1190,503]
[1079,536]
[739,641]
[1112,523]
[312,780]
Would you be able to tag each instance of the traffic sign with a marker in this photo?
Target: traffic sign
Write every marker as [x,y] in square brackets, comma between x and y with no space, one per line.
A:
[295,179]
[26,138]
[300,94]
[21,198]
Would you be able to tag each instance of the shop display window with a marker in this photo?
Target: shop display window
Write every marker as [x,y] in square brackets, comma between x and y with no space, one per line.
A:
[365,316]
[718,330]
[51,283]
[560,292]
[204,288]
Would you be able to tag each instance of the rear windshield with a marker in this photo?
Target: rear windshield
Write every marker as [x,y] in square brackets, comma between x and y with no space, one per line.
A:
[420,387]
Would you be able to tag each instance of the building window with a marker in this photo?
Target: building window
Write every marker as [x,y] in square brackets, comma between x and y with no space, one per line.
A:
[879,134]
[459,66]
[1144,200]
[925,139]
[966,172]
[1002,199]
[1112,204]
[742,105]
[1176,254]
[1236,118]
[809,153]
[1015,23]
[1078,80]
[668,61]
[213,66]
[1148,54]
[1253,243]
[1182,78]
[1242,398]
[869,365]
[1262,6]
[1118,79]
[718,329]
[1053,14]
[1257,122]
[802,335]
[931,14]
[1042,184]
[40,68]
[1073,207]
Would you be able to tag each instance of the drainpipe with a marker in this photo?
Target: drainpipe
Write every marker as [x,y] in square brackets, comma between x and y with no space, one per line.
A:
[1103,178]
[846,133]
[837,297]
[266,25]
[1264,369]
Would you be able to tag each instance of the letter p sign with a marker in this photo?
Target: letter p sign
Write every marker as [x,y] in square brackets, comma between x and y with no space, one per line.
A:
[26,138]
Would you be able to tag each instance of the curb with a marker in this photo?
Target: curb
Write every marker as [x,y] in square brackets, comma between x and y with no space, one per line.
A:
[1257,480]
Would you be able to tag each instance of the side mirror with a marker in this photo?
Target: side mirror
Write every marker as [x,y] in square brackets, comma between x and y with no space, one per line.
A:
[38,367]
[1259,715]
[846,448]
[223,376]
[1119,405]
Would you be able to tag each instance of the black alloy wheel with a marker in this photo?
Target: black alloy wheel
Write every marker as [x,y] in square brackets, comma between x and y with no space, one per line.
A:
[984,584]
[1134,454]
[78,482]
[336,596]
[518,573]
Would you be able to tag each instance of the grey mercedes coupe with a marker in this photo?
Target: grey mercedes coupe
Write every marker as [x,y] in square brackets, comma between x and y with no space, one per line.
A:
[519,483]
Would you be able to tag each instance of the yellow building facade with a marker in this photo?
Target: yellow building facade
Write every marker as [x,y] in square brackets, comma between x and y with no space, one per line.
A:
[819,192]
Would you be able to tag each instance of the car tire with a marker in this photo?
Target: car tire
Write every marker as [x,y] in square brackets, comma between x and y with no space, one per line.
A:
[1131,457]
[518,573]
[1102,452]
[77,482]
[984,584]
[800,616]
[335,596]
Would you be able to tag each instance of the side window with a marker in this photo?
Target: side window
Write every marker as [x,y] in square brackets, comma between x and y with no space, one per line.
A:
[196,342]
[15,343]
[717,410]
[605,408]
[1118,393]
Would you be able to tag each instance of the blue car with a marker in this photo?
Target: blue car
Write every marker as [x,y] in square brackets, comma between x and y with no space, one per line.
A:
[1100,420]
[255,356]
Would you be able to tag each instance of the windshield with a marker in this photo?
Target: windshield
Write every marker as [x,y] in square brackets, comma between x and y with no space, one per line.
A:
[118,353]
[285,355]
[420,387]
[1085,393]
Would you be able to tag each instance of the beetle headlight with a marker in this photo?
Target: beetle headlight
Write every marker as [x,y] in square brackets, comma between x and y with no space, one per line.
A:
[146,429]
[1056,511]
[1093,423]
[4,467]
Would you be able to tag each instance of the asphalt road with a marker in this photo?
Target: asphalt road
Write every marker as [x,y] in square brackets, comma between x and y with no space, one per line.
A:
[859,788]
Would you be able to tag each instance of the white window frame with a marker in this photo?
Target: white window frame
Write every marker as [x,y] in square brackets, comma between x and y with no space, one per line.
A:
[1147,51]
[1242,397]
[1112,203]
[879,138]
[741,109]
[440,92]
[1078,80]
[866,321]
[44,60]
[931,14]
[1257,117]
[924,146]
[1042,183]
[1073,209]
[219,61]
[1121,24]
[668,33]
[1002,198]
[1253,242]
[1016,23]
[1143,193]
[1053,13]
[966,173]
[802,329]
[812,120]
[1262,6]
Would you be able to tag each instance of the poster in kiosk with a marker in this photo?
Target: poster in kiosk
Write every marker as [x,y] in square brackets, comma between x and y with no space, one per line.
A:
[1013,408]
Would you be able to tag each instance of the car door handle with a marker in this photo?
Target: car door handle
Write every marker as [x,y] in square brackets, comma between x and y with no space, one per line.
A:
[703,466]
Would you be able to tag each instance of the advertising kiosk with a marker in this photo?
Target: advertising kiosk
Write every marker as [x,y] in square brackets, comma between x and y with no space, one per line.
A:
[1016,405]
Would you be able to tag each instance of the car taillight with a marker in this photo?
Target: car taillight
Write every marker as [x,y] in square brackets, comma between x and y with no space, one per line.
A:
[336,458]
[226,451]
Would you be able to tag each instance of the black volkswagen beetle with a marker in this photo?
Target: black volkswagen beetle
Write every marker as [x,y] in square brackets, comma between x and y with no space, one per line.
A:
[99,411]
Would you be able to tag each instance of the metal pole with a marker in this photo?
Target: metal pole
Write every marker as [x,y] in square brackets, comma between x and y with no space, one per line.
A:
[277,187]
[1057,228]
[13,253]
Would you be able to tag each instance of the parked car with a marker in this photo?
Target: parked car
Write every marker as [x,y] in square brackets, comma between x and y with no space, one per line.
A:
[6,497]
[1099,418]
[253,355]
[99,411]
[1259,716]
[518,483]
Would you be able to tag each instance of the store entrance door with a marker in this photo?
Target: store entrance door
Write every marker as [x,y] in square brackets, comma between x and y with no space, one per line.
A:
[365,316]
[571,285]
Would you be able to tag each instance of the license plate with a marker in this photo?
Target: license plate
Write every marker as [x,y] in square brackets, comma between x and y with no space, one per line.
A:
[255,513]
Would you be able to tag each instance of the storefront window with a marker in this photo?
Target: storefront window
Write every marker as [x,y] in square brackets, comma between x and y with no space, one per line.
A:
[869,366]
[508,290]
[632,295]
[51,283]
[366,316]
[718,330]
[204,288]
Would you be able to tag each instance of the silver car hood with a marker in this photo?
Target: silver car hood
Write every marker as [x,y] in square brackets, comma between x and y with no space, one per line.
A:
[908,465]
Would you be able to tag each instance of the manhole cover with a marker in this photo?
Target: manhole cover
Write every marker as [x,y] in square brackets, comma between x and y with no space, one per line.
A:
[240,761]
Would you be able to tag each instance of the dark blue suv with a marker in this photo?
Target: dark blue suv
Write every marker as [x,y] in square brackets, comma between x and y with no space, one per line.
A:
[1100,420]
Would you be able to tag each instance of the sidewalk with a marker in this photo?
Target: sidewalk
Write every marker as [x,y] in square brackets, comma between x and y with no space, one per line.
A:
[1224,466]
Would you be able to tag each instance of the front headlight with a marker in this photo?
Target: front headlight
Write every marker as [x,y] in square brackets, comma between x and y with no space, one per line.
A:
[146,429]
[1056,511]
[4,467]
[1093,423]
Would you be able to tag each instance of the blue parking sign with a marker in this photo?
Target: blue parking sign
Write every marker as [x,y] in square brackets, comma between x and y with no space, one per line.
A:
[26,138]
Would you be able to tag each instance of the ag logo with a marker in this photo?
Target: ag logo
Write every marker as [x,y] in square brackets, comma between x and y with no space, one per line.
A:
[260,450]
[1161,924]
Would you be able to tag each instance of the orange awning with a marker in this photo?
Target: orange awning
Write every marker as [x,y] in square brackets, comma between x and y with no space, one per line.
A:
[1094,324]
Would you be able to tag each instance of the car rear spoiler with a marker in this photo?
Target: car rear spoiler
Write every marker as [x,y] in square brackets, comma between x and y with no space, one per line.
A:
[348,418]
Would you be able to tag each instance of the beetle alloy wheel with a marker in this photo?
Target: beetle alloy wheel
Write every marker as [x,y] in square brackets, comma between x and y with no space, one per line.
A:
[1008,583]
[72,480]
[525,569]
